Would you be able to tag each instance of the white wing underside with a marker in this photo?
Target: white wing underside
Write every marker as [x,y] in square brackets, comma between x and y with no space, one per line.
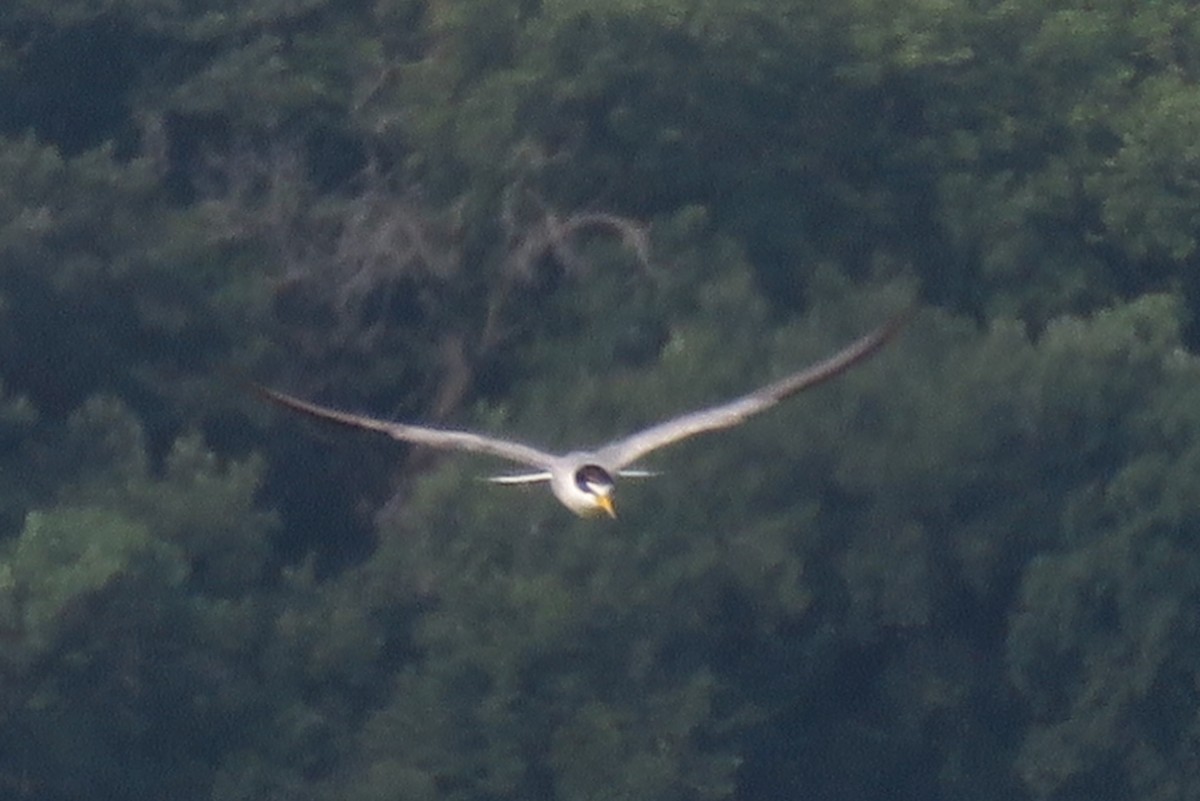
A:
[725,415]
[446,439]
[615,456]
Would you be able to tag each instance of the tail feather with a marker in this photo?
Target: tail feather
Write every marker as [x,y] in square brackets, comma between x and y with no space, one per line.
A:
[520,478]
[635,473]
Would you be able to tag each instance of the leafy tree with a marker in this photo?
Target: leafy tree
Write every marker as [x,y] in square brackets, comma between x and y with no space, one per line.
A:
[964,570]
[124,598]
[1104,636]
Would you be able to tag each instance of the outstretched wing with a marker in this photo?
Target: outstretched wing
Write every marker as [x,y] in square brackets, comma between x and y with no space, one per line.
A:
[419,435]
[629,449]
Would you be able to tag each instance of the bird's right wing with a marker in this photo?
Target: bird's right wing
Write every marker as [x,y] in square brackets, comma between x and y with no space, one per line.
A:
[628,450]
[418,435]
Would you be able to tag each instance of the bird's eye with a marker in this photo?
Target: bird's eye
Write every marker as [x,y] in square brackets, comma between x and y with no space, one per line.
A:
[592,475]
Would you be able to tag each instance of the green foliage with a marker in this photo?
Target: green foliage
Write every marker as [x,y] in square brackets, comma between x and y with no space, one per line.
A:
[1106,634]
[964,570]
[1149,188]
[107,592]
[1036,183]
[17,416]
[69,555]
[203,507]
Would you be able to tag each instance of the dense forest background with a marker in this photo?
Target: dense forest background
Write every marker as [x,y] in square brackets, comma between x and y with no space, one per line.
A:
[967,570]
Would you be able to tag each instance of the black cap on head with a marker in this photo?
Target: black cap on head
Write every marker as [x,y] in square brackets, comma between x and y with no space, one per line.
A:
[592,474]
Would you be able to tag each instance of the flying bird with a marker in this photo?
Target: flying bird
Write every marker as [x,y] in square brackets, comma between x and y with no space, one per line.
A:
[584,480]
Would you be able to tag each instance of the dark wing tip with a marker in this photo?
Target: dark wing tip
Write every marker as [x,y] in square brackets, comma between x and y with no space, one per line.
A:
[901,319]
[248,385]
[272,395]
[888,331]
[315,410]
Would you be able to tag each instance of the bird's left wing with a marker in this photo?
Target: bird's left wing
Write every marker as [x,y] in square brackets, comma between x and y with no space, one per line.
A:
[419,435]
[629,449]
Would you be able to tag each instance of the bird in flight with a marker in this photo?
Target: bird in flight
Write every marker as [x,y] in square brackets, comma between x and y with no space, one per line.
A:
[584,480]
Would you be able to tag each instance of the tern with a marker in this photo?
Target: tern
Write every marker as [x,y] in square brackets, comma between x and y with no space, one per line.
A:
[584,480]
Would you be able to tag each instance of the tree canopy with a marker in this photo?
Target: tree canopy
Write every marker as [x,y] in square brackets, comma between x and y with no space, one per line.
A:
[966,570]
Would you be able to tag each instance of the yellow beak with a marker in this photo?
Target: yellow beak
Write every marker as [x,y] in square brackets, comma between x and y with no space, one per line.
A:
[605,503]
